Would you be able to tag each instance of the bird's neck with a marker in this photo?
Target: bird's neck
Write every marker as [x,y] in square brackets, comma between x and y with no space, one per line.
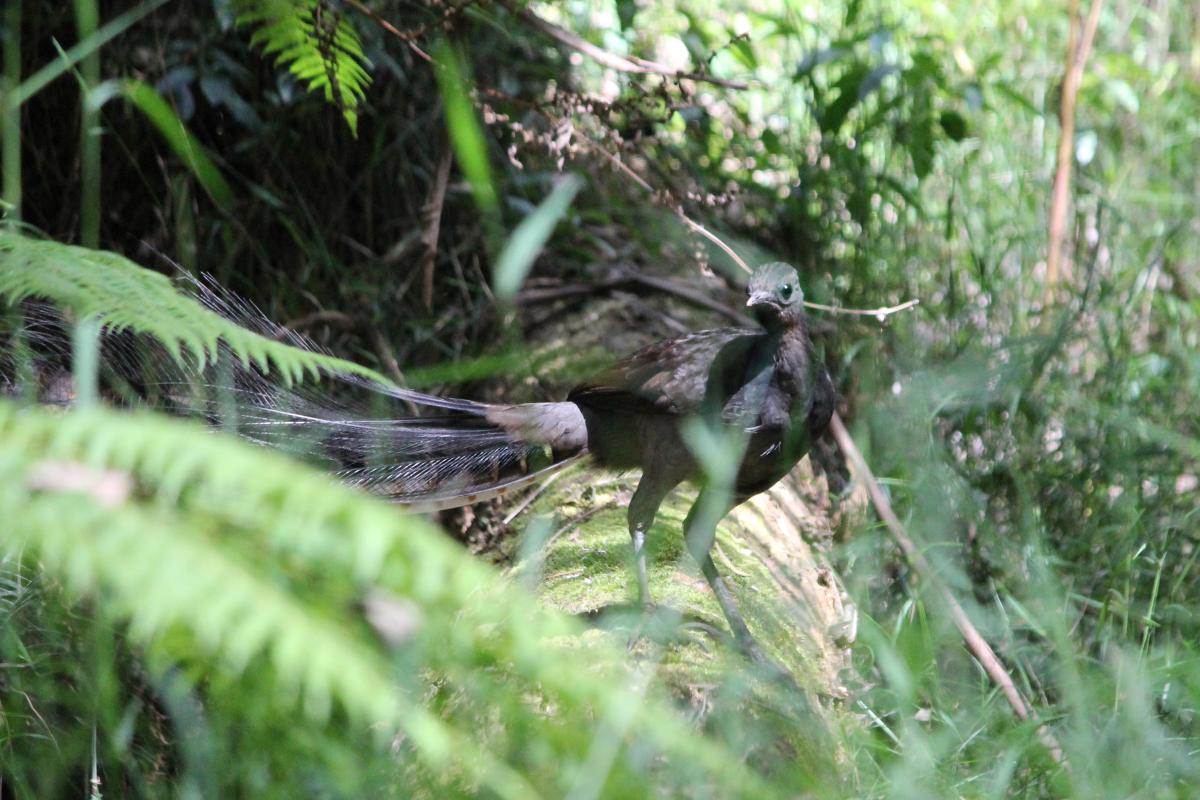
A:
[794,357]
[790,332]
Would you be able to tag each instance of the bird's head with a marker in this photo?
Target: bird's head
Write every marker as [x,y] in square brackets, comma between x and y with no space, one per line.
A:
[774,295]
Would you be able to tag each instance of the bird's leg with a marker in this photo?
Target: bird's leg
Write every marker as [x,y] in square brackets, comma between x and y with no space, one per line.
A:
[642,508]
[700,529]
[638,532]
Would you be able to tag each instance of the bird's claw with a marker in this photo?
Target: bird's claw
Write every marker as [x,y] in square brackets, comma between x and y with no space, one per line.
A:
[662,624]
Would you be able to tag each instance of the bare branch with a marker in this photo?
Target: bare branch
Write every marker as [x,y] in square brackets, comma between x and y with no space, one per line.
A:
[431,223]
[408,38]
[324,316]
[712,237]
[625,169]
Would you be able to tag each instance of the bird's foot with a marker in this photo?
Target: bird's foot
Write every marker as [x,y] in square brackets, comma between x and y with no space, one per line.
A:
[664,624]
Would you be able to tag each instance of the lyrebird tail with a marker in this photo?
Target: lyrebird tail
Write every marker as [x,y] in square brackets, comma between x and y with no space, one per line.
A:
[476,453]
[423,450]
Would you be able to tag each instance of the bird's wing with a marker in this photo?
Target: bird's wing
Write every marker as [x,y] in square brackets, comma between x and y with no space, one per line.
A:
[675,376]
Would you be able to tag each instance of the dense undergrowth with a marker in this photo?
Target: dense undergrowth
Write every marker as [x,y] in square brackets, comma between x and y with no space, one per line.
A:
[1039,439]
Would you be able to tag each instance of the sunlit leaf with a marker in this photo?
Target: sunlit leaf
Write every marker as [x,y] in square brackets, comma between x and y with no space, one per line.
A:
[530,236]
[317,44]
[466,135]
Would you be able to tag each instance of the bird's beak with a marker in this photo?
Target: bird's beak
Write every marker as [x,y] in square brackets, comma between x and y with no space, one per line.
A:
[758,299]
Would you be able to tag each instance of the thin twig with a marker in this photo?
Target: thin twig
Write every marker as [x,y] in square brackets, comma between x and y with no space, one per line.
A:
[575,522]
[530,497]
[625,169]
[408,38]
[623,279]
[690,295]
[384,351]
[879,313]
[316,318]
[1060,197]
[431,223]
[630,64]
[975,642]
[712,237]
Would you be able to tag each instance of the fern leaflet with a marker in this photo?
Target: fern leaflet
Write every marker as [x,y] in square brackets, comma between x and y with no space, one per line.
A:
[124,296]
[316,43]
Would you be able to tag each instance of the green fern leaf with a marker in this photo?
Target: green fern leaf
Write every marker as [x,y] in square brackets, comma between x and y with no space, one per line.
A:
[316,44]
[166,569]
[124,296]
[246,554]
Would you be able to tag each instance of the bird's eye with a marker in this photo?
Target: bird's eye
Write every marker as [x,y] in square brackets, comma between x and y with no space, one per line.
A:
[785,291]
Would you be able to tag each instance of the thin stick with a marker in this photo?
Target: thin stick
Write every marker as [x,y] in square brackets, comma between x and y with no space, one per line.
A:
[625,169]
[10,122]
[407,38]
[530,497]
[712,237]
[690,295]
[975,642]
[431,222]
[384,351]
[315,318]
[1060,197]
[879,313]
[622,167]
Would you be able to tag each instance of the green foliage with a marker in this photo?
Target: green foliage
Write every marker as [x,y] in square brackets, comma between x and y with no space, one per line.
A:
[316,43]
[170,561]
[1041,446]
[228,559]
[120,295]
[469,144]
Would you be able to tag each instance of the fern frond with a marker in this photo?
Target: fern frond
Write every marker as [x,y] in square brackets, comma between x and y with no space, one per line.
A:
[247,553]
[123,296]
[165,569]
[317,45]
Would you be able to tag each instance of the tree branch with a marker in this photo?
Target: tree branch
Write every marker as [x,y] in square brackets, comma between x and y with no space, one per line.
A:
[431,223]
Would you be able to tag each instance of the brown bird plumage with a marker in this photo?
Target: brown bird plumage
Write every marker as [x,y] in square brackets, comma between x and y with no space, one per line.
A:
[764,384]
